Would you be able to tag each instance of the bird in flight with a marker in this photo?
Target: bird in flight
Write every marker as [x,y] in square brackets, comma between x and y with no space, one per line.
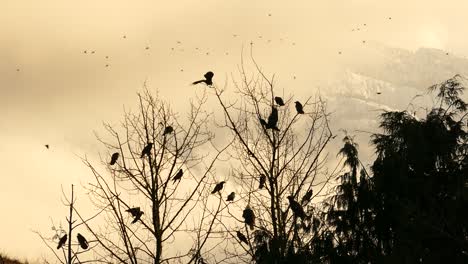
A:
[231,197]
[168,130]
[241,237]
[114,158]
[208,79]
[62,241]
[178,176]
[146,150]
[218,187]
[299,107]
[249,217]
[136,213]
[279,101]
[82,241]
[262,181]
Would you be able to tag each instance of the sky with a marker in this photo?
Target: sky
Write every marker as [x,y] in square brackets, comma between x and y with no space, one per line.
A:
[52,92]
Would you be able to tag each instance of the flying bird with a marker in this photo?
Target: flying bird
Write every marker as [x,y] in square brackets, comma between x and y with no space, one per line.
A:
[146,150]
[299,107]
[306,198]
[262,181]
[62,241]
[168,130]
[136,213]
[208,78]
[114,158]
[231,197]
[218,187]
[249,217]
[297,209]
[378,92]
[178,176]
[279,101]
[241,237]
[273,119]
[82,241]
[47,146]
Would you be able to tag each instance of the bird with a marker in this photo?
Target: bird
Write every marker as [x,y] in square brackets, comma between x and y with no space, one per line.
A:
[168,130]
[62,241]
[273,119]
[296,208]
[231,197]
[114,158]
[208,79]
[299,107]
[279,101]
[136,213]
[218,187]
[378,92]
[241,237]
[262,181]
[263,122]
[47,146]
[306,198]
[249,217]
[85,51]
[82,240]
[146,150]
[178,176]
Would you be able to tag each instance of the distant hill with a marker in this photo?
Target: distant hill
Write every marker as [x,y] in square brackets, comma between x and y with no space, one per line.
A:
[8,260]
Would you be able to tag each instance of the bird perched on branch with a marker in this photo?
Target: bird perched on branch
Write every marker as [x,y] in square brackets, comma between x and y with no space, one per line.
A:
[168,130]
[263,122]
[136,213]
[178,176]
[208,79]
[249,217]
[146,150]
[262,181]
[273,119]
[241,237]
[231,197]
[218,187]
[114,158]
[279,101]
[82,241]
[62,241]
[297,209]
[299,108]
[306,198]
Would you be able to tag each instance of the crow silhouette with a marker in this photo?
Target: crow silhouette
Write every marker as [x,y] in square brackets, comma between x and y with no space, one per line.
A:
[273,119]
[241,237]
[208,79]
[297,209]
[178,176]
[249,217]
[231,197]
[82,241]
[299,107]
[262,181]
[279,101]
[136,213]
[218,187]
[168,130]
[114,158]
[146,150]
[62,241]
[306,198]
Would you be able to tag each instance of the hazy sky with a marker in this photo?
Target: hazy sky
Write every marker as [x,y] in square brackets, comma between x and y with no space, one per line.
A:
[51,92]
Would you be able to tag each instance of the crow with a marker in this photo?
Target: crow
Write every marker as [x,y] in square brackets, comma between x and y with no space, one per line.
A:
[231,197]
[208,79]
[168,130]
[136,213]
[249,217]
[178,176]
[62,241]
[279,101]
[114,158]
[299,107]
[306,198]
[146,150]
[262,181]
[241,237]
[82,240]
[218,187]
[273,119]
[297,209]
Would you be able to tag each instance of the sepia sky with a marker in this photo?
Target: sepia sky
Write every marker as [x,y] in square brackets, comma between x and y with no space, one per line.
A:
[51,92]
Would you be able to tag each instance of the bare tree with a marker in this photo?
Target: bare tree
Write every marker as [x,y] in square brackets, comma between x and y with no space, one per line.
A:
[152,196]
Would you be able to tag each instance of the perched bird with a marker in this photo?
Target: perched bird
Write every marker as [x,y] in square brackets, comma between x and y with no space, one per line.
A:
[241,237]
[299,107]
[47,146]
[297,209]
[114,158]
[306,198]
[249,217]
[273,119]
[168,130]
[218,187]
[178,176]
[208,79]
[263,122]
[82,240]
[262,181]
[136,213]
[146,150]
[279,101]
[62,241]
[231,197]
